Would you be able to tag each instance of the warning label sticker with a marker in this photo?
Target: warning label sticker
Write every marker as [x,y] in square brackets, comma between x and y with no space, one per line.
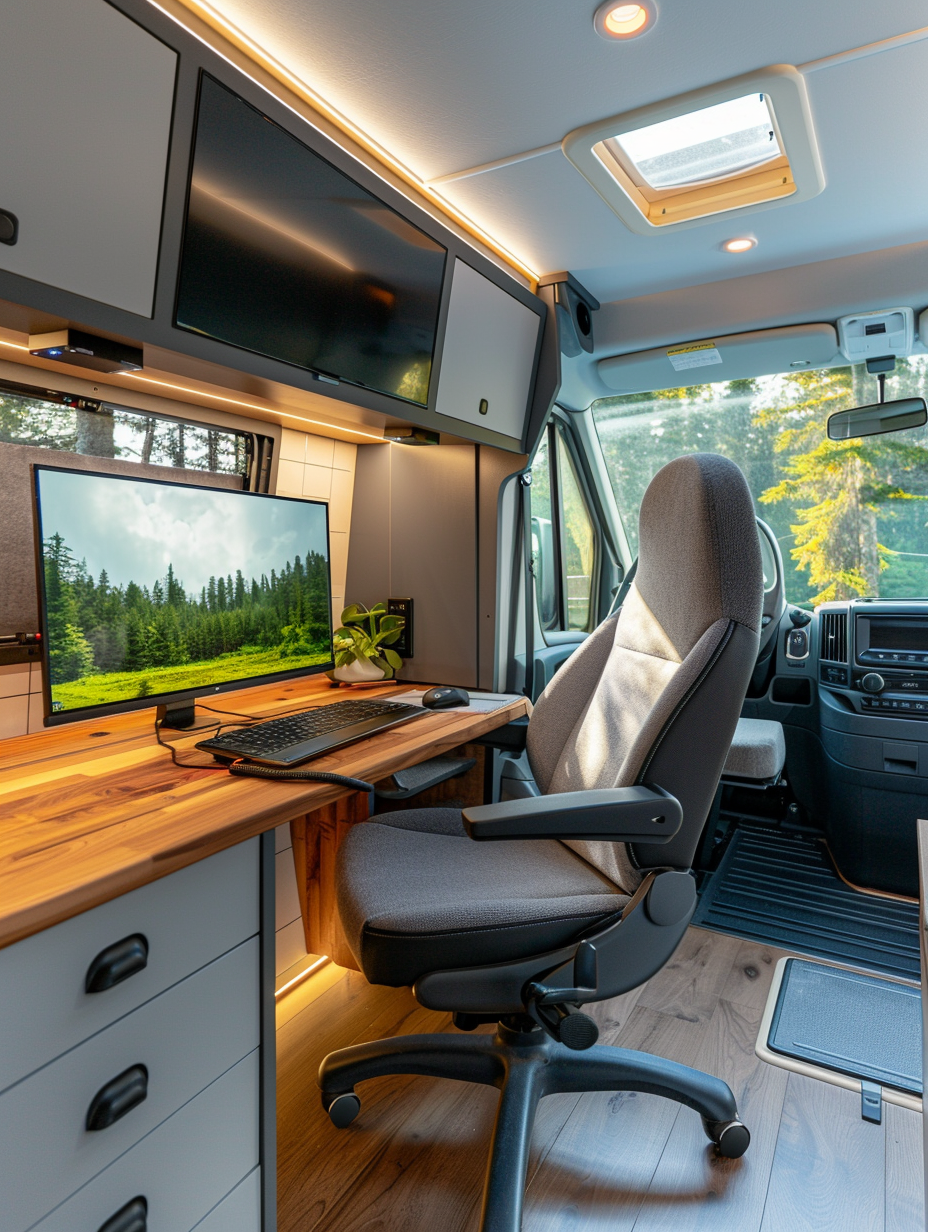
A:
[696,355]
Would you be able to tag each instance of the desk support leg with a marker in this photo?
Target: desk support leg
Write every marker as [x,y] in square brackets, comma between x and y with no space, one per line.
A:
[268,1090]
[316,839]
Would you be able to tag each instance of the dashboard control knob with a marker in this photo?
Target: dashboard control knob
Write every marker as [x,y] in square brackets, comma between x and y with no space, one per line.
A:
[799,617]
[873,682]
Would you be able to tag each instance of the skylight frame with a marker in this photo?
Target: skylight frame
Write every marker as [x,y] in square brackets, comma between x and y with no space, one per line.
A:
[796,175]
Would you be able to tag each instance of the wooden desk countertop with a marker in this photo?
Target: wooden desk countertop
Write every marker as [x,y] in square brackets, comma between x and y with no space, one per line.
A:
[91,810]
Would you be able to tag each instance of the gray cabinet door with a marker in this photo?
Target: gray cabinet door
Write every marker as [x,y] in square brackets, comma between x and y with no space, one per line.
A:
[86,97]
[488,354]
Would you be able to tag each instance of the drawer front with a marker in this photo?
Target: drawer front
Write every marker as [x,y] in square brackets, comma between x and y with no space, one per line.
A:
[186,1038]
[183,1168]
[239,1212]
[187,919]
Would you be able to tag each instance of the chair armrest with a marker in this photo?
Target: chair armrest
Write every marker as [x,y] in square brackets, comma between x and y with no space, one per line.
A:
[616,814]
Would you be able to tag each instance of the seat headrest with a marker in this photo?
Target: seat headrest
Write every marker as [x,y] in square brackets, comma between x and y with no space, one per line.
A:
[699,556]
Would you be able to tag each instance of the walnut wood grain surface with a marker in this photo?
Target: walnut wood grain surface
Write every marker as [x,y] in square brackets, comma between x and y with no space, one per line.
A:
[91,810]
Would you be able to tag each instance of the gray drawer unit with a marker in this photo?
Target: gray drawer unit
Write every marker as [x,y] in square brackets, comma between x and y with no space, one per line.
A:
[239,1212]
[185,1038]
[184,1168]
[187,919]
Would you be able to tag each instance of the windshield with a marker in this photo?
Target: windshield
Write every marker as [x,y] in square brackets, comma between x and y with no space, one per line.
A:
[850,516]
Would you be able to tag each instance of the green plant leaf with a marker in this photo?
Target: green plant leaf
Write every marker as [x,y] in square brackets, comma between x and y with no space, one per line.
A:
[393,658]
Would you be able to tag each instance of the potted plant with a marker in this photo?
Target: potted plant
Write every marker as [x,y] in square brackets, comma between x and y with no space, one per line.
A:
[362,645]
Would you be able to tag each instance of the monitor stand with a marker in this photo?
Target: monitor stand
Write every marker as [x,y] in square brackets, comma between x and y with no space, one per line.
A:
[177,715]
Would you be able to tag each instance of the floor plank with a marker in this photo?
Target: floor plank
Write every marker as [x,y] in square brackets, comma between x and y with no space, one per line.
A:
[828,1170]
[414,1160]
[749,980]
[689,986]
[597,1174]
[721,1195]
[905,1169]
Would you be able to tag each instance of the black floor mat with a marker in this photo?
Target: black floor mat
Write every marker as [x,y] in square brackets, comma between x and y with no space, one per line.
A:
[781,888]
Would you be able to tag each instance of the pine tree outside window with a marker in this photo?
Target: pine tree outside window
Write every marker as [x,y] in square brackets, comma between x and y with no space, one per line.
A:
[851,517]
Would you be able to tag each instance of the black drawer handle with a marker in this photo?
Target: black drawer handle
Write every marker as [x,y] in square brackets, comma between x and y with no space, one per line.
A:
[117,962]
[120,1095]
[133,1217]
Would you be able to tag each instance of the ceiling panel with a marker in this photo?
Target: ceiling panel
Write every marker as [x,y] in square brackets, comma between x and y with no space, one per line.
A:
[876,186]
[447,86]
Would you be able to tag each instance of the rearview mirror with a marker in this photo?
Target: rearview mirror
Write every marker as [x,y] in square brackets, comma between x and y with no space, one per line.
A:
[880,417]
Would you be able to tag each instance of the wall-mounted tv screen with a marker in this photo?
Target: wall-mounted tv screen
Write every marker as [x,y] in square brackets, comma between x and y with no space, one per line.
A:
[152,590]
[286,256]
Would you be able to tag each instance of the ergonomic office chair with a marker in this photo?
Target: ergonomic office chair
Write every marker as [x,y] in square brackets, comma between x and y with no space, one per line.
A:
[584,892]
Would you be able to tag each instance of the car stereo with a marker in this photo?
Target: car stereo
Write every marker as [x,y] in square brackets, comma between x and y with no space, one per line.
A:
[889,654]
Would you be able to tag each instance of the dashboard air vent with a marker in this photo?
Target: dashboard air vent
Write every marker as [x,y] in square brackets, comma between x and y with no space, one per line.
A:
[834,637]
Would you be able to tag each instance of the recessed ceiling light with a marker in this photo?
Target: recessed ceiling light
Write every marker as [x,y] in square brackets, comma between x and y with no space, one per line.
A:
[623,21]
[742,243]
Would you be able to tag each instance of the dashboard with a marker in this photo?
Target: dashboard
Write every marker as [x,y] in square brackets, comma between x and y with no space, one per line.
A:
[849,683]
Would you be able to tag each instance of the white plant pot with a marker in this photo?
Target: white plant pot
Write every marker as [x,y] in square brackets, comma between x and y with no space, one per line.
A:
[361,671]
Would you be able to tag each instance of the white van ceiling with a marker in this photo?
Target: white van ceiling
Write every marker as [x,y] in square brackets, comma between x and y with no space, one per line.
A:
[448,88]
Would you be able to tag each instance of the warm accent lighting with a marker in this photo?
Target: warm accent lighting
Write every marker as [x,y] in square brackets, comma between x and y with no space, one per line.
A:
[218,22]
[622,21]
[743,243]
[304,975]
[203,393]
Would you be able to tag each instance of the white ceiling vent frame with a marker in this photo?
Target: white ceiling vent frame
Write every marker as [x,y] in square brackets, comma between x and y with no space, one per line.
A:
[729,357]
[884,331]
[784,88]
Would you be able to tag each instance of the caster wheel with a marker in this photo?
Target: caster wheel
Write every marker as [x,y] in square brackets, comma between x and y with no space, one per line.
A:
[731,1138]
[343,1109]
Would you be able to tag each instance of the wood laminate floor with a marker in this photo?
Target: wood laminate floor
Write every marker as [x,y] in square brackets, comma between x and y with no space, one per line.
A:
[414,1159]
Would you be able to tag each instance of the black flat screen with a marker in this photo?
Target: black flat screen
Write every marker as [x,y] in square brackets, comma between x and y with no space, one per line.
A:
[286,256]
[898,634]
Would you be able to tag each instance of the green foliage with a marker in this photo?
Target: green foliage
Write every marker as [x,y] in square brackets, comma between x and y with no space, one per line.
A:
[108,687]
[100,630]
[849,515]
[368,633]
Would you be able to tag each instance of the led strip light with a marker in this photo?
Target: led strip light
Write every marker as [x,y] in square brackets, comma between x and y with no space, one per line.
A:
[222,26]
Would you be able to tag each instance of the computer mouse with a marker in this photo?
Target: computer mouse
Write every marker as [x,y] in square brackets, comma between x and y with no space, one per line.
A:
[444,697]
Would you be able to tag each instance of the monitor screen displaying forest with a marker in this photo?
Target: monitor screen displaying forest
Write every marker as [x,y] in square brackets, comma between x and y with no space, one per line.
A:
[153,589]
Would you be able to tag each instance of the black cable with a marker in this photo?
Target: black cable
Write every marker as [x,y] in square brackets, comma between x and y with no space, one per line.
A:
[251,771]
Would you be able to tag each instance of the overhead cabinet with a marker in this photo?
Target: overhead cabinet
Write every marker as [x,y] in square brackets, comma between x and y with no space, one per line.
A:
[86,97]
[489,354]
[146,185]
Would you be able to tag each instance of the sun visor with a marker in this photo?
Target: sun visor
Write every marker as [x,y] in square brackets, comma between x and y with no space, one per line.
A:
[725,357]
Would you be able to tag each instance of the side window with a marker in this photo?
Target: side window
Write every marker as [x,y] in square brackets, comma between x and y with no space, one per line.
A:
[564,539]
[99,429]
[578,543]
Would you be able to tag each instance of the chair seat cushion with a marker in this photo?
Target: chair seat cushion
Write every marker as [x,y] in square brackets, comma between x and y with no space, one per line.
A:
[415,894]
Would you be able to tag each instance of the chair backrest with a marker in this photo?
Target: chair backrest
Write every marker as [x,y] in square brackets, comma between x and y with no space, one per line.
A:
[654,694]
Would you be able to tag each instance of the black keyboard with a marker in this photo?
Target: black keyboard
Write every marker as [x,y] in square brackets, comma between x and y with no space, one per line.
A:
[297,737]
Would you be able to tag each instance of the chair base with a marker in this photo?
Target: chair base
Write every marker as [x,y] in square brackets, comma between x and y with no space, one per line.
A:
[525,1065]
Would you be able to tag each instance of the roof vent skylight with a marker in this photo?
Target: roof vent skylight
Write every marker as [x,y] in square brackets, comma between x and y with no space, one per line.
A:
[748,143]
[705,145]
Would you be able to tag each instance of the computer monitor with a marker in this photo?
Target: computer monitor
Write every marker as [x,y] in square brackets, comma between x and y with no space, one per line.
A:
[154,592]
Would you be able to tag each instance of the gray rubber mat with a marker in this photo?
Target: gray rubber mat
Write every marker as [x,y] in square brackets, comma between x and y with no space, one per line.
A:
[859,1025]
[781,888]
